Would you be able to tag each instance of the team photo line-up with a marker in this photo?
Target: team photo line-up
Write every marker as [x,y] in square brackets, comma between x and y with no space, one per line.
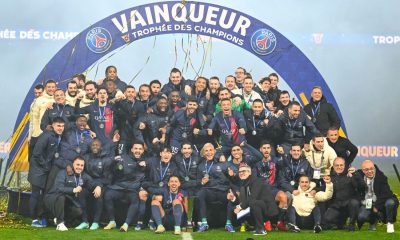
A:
[194,154]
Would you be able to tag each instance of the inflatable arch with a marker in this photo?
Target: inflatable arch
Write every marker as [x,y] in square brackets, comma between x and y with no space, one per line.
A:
[171,17]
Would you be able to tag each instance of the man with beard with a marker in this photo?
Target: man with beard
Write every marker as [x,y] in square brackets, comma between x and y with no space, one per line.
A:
[90,94]
[187,162]
[322,113]
[175,101]
[214,85]
[72,93]
[321,157]
[98,166]
[37,110]
[185,124]
[80,80]
[247,92]
[127,111]
[258,124]
[176,82]
[129,173]
[101,120]
[342,146]
[65,197]
[344,202]
[268,170]
[230,125]
[58,109]
[152,127]
[168,206]
[45,151]
[255,196]
[292,123]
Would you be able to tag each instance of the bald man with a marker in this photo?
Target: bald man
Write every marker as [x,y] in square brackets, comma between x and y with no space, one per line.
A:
[377,199]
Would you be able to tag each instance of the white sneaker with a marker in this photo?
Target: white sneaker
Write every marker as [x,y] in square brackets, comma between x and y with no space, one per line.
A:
[390,228]
[61,227]
[55,221]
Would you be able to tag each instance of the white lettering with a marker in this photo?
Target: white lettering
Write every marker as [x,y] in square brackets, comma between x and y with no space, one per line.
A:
[179,15]
[200,16]
[122,27]
[164,13]
[222,19]
[211,16]
[242,24]
[136,18]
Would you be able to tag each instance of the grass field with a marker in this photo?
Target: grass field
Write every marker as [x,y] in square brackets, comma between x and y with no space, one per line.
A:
[19,228]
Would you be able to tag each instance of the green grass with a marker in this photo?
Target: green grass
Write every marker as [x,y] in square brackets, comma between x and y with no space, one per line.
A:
[18,228]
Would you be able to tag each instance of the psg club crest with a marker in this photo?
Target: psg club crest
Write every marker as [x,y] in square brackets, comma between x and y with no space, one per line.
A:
[98,40]
[263,41]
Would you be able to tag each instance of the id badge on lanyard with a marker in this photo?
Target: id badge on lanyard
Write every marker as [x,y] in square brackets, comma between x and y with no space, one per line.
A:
[368,203]
[317,173]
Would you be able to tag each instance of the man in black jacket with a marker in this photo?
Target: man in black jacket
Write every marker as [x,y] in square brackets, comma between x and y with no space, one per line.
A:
[322,113]
[253,194]
[45,151]
[342,146]
[344,202]
[378,201]
[64,199]
[292,122]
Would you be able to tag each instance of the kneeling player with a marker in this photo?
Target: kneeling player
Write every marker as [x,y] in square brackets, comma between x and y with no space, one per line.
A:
[168,206]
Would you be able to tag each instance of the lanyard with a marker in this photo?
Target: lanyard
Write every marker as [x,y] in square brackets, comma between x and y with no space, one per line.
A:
[77,182]
[187,168]
[133,103]
[198,97]
[226,124]
[170,196]
[162,175]
[251,95]
[102,116]
[77,138]
[297,168]
[256,124]
[209,168]
[322,159]
[316,109]
[62,110]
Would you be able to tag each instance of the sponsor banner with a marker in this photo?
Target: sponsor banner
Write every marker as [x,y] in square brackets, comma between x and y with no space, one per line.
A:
[378,151]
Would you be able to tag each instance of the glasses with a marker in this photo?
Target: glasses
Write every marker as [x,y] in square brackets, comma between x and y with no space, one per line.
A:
[338,165]
[368,169]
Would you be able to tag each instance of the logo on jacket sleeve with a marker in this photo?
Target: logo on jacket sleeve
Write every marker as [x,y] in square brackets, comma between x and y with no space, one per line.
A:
[263,41]
[98,40]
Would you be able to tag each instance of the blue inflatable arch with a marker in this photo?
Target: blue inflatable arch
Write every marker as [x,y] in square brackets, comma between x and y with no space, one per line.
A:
[160,18]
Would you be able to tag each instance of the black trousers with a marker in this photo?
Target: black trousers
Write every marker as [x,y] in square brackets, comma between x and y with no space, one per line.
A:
[390,212]
[65,210]
[36,202]
[258,212]
[207,195]
[337,214]
[131,196]
[86,197]
[31,146]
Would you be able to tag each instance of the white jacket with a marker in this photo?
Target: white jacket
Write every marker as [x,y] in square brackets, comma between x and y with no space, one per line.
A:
[304,203]
[314,157]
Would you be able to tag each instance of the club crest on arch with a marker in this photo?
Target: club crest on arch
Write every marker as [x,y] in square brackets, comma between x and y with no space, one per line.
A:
[263,41]
[98,40]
